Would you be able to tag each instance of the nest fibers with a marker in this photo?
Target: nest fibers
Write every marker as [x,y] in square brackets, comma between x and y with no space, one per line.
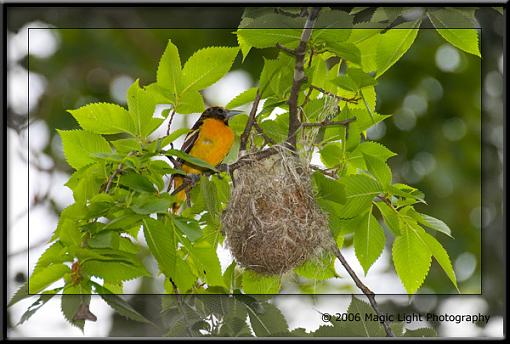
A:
[272,223]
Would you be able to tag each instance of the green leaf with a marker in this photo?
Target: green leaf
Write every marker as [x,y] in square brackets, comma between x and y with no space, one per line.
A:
[244,97]
[394,44]
[329,189]
[188,227]
[72,304]
[435,224]
[190,101]
[361,78]
[104,239]
[365,120]
[207,263]
[364,327]
[209,193]
[276,77]
[160,238]
[244,45]
[345,82]
[142,104]
[320,268]
[113,271]
[126,145]
[79,145]
[368,241]
[44,277]
[277,130]
[359,191]
[206,66]
[124,221]
[499,10]
[373,149]
[360,326]
[169,69]
[174,135]
[440,254]
[136,182]
[407,192]
[346,50]
[56,253]
[120,306]
[37,305]
[268,30]
[456,28]
[184,277]
[421,332]
[20,294]
[332,26]
[267,321]
[354,80]
[331,154]
[104,118]
[255,283]
[379,169]
[390,216]
[411,257]
[146,204]
[191,159]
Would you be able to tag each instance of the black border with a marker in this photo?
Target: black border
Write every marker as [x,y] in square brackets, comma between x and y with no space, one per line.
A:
[3,143]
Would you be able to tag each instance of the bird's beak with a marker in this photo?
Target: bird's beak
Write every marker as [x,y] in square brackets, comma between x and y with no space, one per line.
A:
[232,113]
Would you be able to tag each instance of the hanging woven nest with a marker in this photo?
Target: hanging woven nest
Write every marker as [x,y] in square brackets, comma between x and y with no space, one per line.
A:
[272,223]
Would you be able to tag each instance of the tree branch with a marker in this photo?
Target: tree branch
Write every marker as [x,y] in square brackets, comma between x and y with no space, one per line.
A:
[327,172]
[369,294]
[353,100]
[328,123]
[170,122]
[115,173]
[299,77]
[289,51]
[249,124]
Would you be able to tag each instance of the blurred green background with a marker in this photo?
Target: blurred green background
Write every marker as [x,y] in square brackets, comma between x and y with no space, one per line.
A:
[447,112]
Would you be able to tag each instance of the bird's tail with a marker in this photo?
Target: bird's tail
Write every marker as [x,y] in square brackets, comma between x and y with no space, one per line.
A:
[181,195]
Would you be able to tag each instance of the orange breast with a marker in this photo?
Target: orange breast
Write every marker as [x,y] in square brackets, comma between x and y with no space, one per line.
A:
[213,143]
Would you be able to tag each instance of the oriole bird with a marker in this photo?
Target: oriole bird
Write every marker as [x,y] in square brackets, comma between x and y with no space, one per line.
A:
[210,139]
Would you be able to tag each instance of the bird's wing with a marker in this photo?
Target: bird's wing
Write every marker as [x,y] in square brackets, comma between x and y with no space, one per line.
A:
[190,140]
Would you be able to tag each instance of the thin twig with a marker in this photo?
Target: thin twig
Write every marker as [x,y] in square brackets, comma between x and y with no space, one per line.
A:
[261,132]
[289,51]
[170,122]
[247,159]
[299,77]
[115,173]
[329,172]
[328,123]
[110,179]
[353,100]
[180,302]
[369,294]
[249,124]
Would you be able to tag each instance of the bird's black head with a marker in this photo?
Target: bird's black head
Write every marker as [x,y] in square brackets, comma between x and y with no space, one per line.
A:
[220,113]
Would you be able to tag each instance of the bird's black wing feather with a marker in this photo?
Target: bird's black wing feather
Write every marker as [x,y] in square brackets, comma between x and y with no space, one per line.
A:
[189,141]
